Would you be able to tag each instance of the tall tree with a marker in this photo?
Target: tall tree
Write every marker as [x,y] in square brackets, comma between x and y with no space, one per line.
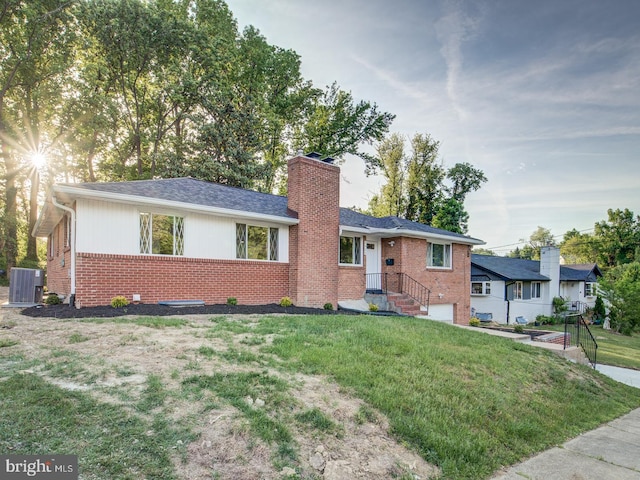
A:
[541,237]
[425,174]
[618,238]
[577,247]
[36,40]
[621,287]
[335,125]
[391,200]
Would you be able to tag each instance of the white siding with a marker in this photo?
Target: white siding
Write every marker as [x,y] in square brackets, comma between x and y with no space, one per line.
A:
[114,228]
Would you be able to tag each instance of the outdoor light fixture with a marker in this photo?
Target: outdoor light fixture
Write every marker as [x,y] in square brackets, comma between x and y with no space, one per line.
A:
[392,243]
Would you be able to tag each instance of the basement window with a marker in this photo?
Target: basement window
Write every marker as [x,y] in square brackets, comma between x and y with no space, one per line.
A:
[256,243]
[161,234]
[350,250]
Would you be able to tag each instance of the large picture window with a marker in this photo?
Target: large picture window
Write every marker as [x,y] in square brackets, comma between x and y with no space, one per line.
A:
[256,243]
[480,288]
[161,234]
[439,255]
[351,250]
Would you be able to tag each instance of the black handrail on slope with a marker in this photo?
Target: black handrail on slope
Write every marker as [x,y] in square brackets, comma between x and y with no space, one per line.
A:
[414,289]
[577,333]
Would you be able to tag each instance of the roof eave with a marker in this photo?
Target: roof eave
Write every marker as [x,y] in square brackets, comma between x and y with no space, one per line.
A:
[157,202]
[398,232]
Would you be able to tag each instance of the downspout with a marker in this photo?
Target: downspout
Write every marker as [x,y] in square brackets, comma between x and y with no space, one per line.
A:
[72,244]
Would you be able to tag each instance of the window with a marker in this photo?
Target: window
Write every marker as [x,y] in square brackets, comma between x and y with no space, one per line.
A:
[256,243]
[351,250]
[439,255]
[589,289]
[536,288]
[480,288]
[161,234]
[517,291]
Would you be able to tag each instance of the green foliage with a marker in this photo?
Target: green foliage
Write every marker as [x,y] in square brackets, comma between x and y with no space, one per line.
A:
[328,306]
[232,301]
[599,310]
[559,305]
[542,237]
[119,301]
[52,299]
[474,322]
[518,329]
[373,307]
[621,288]
[416,185]
[285,302]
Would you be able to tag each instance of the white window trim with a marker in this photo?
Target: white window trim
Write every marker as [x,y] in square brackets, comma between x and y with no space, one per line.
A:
[269,228]
[518,287]
[486,289]
[449,257]
[539,290]
[359,254]
[178,244]
[593,287]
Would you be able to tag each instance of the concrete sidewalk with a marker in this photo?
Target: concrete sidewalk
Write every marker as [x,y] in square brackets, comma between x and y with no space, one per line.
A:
[609,452]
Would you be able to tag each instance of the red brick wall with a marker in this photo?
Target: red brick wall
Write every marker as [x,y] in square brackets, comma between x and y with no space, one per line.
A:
[314,194]
[410,257]
[101,277]
[351,283]
[59,264]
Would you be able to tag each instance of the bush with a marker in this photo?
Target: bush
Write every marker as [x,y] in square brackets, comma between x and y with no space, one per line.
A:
[232,301]
[285,302]
[518,329]
[373,307]
[474,322]
[119,301]
[328,306]
[52,299]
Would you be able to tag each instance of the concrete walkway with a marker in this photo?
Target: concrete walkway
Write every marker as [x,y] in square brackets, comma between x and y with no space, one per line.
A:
[609,452]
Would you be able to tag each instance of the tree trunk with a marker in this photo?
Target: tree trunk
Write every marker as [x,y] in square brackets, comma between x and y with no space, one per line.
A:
[32,246]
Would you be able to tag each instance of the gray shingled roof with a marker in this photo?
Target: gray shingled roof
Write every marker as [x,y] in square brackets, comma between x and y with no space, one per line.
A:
[198,192]
[508,268]
[351,218]
[585,272]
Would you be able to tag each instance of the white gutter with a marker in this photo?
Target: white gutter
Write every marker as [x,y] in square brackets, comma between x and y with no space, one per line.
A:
[72,240]
[398,232]
[135,199]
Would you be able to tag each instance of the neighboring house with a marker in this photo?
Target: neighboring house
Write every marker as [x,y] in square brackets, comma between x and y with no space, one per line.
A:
[508,288]
[186,239]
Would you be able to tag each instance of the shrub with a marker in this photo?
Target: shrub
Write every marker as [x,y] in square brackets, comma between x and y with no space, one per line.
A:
[328,306]
[119,301]
[52,299]
[474,322]
[232,301]
[285,302]
[373,307]
[518,329]
[599,311]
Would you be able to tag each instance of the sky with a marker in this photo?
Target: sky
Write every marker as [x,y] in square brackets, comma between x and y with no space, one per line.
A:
[543,96]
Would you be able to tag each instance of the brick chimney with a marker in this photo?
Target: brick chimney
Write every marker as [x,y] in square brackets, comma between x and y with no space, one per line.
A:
[314,195]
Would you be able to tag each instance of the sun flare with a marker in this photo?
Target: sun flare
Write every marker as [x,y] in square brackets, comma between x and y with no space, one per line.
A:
[38,159]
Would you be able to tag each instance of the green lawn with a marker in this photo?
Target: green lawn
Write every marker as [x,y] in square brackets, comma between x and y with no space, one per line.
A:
[613,348]
[465,401]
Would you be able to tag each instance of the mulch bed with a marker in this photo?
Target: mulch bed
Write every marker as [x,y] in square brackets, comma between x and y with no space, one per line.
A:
[65,311]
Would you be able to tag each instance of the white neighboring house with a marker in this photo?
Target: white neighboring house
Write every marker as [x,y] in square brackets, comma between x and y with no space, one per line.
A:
[509,290]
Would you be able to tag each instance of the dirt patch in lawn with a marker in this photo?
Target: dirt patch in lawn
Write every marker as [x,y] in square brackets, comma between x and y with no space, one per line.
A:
[114,362]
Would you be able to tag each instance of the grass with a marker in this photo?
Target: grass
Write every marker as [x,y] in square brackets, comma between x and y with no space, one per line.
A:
[465,401]
[7,342]
[113,443]
[152,322]
[613,348]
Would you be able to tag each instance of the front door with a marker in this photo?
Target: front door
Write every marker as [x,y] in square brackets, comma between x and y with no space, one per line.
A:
[372,255]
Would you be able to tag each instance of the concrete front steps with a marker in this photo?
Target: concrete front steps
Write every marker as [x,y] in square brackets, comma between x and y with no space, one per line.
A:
[402,303]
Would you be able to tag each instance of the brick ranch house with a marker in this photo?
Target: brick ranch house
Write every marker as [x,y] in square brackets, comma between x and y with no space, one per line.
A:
[186,239]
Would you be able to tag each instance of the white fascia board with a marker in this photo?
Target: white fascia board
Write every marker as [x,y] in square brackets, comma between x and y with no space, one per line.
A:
[393,232]
[190,207]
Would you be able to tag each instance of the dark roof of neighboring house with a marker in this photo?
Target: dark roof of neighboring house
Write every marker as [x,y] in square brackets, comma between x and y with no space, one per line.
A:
[507,268]
[585,272]
[198,192]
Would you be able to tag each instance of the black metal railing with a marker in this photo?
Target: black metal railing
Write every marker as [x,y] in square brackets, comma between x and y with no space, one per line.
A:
[577,333]
[414,289]
[376,282]
[573,306]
